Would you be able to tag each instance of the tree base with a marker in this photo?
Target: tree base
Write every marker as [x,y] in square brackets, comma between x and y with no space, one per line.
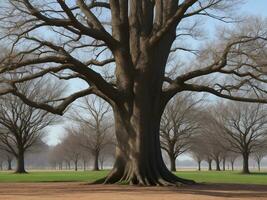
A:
[166,179]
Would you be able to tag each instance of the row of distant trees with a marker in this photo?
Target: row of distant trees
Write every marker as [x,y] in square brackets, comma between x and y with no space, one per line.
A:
[219,133]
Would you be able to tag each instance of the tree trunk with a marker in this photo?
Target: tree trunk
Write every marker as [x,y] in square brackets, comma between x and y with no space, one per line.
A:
[9,164]
[1,166]
[259,165]
[96,163]
[199,165]
[84,165]
[173,163]
[76,165]
[138,154]
[20,163]
[217,164]
[232,164]
[210,166]
[245,163]
[224,161]
[137,116]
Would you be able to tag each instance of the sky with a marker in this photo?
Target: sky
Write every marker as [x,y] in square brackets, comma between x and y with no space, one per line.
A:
[251,7]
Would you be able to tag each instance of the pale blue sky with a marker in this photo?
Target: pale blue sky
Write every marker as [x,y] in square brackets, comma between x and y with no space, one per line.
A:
[251,7]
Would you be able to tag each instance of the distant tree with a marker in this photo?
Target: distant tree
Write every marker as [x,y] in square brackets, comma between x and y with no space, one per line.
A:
[258,155]
[198,150]
[95,130]
[21,126]
[210,135]
[71,148]
[232,158]
[7,158]
[178,124]
[244,128]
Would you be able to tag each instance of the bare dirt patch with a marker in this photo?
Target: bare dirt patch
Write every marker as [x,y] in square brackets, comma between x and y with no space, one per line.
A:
[80,191]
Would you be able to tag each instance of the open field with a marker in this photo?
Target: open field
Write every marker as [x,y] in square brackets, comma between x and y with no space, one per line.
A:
[89,176]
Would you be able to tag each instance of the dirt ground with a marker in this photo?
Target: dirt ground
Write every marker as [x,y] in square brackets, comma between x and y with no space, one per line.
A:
[80,191]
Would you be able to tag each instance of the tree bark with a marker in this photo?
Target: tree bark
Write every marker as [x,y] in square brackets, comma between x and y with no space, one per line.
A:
[20,163]
[245,163]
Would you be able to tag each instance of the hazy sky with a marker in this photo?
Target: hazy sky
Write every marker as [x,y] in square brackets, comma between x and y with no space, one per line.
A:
[252,7]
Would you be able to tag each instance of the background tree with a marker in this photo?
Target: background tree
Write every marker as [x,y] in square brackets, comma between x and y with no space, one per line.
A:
[22,126]
[138,36]
[232,158]
[71,148]
[178,123]
[258,155]
[95,131]
[244,128]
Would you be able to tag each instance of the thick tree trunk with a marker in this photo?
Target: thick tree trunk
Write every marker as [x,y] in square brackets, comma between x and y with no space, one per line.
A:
[138,154]
[96,163]
[1,166]
[218,168]
[245,163]
[20,163]
[210,166]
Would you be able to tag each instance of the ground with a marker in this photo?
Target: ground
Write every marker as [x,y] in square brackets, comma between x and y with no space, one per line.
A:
[67,185]
[81,191]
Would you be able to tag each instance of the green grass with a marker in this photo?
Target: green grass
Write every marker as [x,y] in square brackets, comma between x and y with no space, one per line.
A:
[80,176]
[53,176]
[224,177]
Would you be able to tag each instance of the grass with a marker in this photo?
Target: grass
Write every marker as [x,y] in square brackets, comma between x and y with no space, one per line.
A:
[88,176]
[224,177]
[52,176]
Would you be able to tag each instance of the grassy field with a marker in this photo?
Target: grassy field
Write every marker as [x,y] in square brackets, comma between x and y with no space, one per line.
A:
[70,176]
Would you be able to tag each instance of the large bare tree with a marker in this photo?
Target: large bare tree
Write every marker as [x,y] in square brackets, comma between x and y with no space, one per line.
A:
[138,37]
[178,124]
[22,126]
